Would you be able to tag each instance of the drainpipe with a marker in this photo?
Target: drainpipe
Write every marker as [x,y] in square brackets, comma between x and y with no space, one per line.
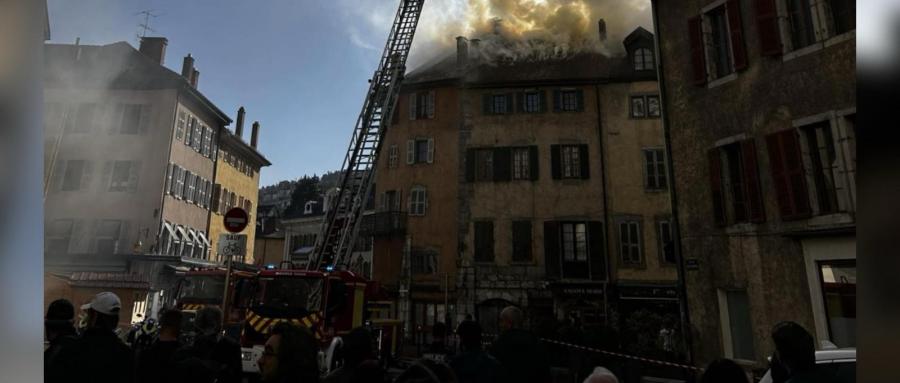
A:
[670,172]
[606,213]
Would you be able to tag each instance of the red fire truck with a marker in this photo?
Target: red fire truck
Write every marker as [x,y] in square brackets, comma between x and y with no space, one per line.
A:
[199,287]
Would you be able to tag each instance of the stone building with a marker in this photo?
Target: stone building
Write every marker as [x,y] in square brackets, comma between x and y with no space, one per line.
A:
[540,184]
[236,185]
[278,196]
[759,101]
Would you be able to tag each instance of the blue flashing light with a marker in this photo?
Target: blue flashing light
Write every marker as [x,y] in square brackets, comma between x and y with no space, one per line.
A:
[329,268]
[270,267]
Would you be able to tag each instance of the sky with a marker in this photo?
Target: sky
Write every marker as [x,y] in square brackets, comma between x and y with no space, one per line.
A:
[299,67]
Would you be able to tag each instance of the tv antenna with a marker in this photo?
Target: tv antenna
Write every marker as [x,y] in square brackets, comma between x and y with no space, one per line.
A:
[145,26]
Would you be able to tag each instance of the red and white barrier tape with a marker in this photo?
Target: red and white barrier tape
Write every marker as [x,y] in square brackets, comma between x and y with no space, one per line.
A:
[654,361]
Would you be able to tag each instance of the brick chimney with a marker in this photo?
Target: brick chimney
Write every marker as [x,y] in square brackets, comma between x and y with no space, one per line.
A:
[239,125]
[254,134]
[195,77]
[154,48]
[602,28]
[462,51]
[187,68]
[475,51]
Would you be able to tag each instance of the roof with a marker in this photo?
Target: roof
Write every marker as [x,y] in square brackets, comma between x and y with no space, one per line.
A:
[240,148]
[636,35]
[114,66]
[108,280]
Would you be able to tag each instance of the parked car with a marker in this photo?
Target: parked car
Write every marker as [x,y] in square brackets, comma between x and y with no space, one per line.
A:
[841,361]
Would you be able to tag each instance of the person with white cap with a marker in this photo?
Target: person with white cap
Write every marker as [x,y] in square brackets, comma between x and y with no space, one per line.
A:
[98,355]
[601,375]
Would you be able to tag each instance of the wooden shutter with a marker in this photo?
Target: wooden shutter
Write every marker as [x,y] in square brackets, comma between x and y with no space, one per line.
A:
[554,162]
[579,96]
[470,165]
[788,175]
[751,181]
[146,113]
[551,249]
[410,152]
[736,29]
[698,56]
[597,249]
[521,240]
[87,175]
[584,159]
[429,105]
[134,176]
[502,164]
[168,186]
[767,28]
[106,176]
[412,106]
[486,104]
[520,102]
[510,103]
[557,100]
[534,168]
[215,198]
[715,183]
[431,150]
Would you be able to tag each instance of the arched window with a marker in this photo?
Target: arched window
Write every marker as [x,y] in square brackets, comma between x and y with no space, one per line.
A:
[643,59]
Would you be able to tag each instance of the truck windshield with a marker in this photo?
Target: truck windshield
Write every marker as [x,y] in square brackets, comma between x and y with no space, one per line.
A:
[290,296]
[204,287]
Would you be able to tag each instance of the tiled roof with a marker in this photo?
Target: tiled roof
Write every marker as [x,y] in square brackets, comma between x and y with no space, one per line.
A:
[108,280]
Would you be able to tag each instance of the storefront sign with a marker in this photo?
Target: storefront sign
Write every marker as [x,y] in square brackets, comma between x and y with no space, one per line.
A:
[579,291]
[648,292]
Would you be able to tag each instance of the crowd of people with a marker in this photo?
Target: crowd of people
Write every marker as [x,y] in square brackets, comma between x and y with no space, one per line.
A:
[97,353]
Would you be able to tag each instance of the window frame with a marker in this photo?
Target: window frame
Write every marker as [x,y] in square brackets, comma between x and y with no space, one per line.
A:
[643,53]
[632,243]
[521,166]
[661,176]
[661,243]
[124,186]
[725,323]
[123,123]
[393,156]
[73,184]
[568,100]
[576,268]
[51,236]
[822,22]
[709,33]
[484,164]
[418,201]
[112,238]
[532,99]
[522,245]
[477,240]
[570,159]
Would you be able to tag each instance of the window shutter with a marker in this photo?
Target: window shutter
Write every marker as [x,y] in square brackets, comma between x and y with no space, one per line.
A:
[554,161]
[168,186]
[486,104]
[585,160]
[551,249]
[412,105]
[557,100]
[767,27]
[579,95]
[597,249]
[715,181]
[533,162]
[470,165]
[87,175]
[214,200]
[409,202]
[751,181]
[788,175]
[106,176]
[223,204]
[520,102]
[502,164]
[542,96]
[425,199]
[431,150]
[146,114]
[510,103]
[59,172]
[398,201]
[410,152]
[134,176]
[430,104]
[738,50]
[698,57]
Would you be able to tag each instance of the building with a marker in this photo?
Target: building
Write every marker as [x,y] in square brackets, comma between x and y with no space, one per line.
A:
[540,184]
[236,184]
[130,150]
[278,195]
[759,101]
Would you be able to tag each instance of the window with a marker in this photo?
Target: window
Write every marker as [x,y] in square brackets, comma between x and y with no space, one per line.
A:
[484,160]
[630,242]
[124,177]
[718,44]
[207,137]
[420,150]
[666,242]
[822,160]
[423,261]
[737,331]
[188,134]
[189,187]
[532,102]
[84,118]
[59,234]
[131,119]
[839,292]
[107,237]
[179,125]
[571,162]
[418,201]
[569,100]
[74,175]
[643,59]
[800,23]
[574,250]
[393,156]
[653,106]
[498,103]
[521,164]
[638,107]
[484,241]
[654,169]
[808,22]
[735,184]
[843,15]
[197,140]
[308,207]
[421,105]
[390,201]
[521,235]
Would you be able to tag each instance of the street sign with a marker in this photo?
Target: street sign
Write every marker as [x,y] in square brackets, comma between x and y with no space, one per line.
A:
[236,220]
[232,245]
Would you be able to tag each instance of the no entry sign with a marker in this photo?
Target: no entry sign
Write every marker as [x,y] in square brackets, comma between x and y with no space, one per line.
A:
[236,220]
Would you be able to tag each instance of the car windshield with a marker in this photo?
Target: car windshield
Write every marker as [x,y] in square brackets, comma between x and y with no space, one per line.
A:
[290,296]
[204,287]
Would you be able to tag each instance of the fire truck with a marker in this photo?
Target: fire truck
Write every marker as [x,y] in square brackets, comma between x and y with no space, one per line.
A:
[199,287]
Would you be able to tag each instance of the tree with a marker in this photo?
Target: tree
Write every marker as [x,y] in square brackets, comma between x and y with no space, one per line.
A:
[307,189]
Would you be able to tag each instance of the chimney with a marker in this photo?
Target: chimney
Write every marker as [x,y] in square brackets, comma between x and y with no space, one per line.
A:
[462,51]
[254,134]
[239,125]
[602,26]
[475,51]
[77,48]
[154,48]
[187,68]
[195,78]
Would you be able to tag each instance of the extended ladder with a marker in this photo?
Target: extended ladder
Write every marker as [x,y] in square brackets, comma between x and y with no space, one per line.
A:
[341,225]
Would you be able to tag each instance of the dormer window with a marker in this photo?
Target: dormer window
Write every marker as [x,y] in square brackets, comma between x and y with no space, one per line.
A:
[643,59]
[308,208]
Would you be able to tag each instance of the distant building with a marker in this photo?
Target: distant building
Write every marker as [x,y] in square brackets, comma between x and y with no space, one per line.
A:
[760,102]
[278,195]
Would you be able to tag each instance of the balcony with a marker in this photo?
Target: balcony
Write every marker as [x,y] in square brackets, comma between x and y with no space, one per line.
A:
[390,224]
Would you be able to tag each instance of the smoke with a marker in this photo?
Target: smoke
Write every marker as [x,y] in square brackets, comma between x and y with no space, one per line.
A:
[527,29]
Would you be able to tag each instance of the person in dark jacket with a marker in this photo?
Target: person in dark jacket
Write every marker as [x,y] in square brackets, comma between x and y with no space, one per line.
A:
[359,363]
[98,356]
[520,352]
[290,356]
[156,363]
[795,351]
[724,371]
[59,326]
[473,364]
[211,357]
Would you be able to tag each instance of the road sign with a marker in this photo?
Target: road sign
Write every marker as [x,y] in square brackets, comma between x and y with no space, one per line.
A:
[236,220]
[233,245]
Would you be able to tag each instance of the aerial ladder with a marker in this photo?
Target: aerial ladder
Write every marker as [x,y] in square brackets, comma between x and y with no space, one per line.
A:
[339,230]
